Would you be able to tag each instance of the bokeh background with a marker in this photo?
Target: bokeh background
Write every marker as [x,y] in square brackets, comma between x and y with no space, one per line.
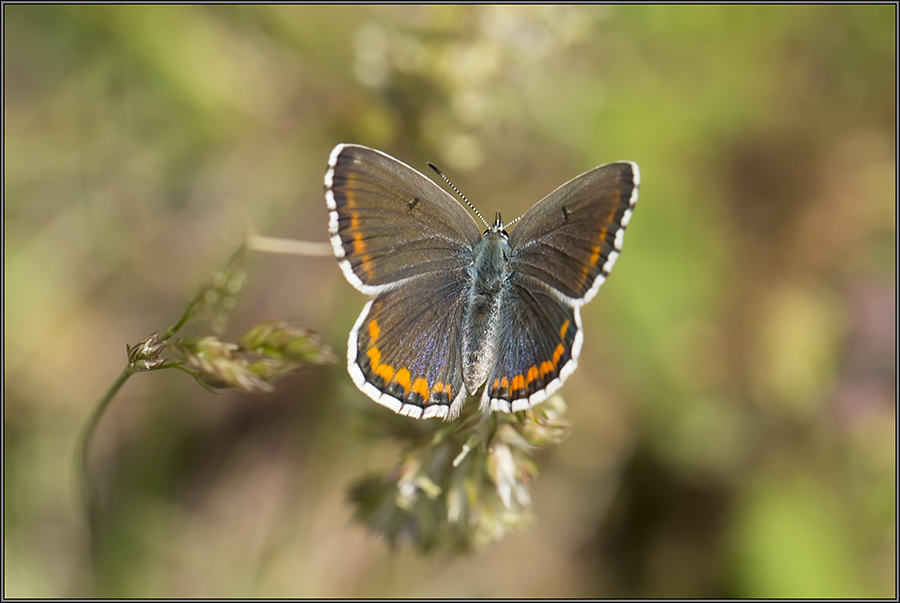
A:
[734,411]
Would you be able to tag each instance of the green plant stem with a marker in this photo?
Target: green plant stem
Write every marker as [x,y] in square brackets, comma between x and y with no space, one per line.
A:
[186,316]
[90,427]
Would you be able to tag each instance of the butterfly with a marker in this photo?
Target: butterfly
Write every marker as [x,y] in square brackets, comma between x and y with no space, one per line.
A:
[454,308]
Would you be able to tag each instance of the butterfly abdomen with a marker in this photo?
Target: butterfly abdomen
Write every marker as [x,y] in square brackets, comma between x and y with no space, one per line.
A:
[489,270]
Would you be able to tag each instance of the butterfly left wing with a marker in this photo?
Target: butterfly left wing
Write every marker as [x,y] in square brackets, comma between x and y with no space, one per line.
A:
[571,239]
[404,350]
[401,238]
[389,223]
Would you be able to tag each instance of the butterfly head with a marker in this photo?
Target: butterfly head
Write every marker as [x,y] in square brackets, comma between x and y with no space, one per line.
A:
[497,227]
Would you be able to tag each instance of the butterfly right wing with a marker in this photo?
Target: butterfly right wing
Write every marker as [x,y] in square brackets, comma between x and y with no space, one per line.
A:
[571,239]
[561,251]
[388,222]
[404,351]
[539,348]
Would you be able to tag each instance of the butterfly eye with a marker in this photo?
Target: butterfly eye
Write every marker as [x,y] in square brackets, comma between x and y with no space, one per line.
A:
[502,233]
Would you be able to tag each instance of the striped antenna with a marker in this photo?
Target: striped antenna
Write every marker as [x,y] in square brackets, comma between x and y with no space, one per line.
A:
[456,190]
[505,226]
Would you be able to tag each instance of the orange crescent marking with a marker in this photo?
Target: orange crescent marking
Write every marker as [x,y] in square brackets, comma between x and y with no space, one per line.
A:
[374,355]
[359,246]
[604,230]
[592,261]
[533,374]
[518,383]
[563,329]
[595,251]
[402,378]
[374,330]
[546,368]
[557,354]
[421,388]
[385,371]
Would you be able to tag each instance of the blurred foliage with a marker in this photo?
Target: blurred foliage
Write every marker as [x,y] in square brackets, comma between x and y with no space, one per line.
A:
[733,417]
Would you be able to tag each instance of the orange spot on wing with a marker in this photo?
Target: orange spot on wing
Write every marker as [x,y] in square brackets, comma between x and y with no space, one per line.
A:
[385,371]
[563,329]
[557,354]
[592,261]
[612,213]
[374,355]
[533,374]
[518,383]
[421,388]
[438,386]
[504,382]
[595,250]
[496,384]
[546,368]
[374,330]
[403,378]
[359,246]
[604,230]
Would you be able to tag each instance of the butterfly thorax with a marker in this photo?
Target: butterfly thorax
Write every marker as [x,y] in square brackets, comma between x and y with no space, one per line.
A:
[487,274]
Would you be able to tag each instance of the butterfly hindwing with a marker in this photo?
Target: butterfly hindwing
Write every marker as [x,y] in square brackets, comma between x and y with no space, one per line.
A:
[388,222]
[404,350]
[571,239]
[539,349]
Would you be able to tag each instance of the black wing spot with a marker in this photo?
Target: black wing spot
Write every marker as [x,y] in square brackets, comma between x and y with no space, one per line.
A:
[412,204]
[566,213]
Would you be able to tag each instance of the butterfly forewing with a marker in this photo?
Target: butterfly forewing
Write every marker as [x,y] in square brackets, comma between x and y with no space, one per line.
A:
[571,239]
[388,222]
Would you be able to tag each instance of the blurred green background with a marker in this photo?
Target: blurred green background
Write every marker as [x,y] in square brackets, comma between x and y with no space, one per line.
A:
[734,411]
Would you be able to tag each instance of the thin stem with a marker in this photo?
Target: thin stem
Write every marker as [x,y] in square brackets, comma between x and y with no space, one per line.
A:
[91,426]
[291,246]
[186,316]
[181,367]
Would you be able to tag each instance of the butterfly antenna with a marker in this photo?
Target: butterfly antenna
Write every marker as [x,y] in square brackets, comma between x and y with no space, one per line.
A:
[505,226]
[456,190]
